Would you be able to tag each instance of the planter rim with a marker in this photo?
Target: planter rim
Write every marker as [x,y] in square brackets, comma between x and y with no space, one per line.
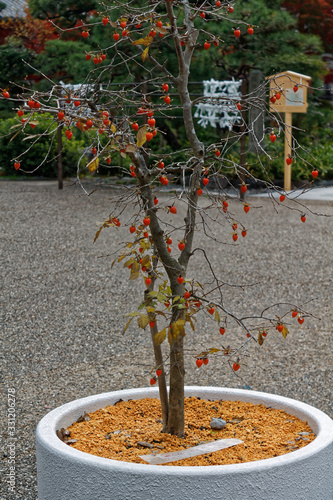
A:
[321,424]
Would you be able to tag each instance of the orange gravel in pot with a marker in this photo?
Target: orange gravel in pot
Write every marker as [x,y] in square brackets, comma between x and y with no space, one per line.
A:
[132,428]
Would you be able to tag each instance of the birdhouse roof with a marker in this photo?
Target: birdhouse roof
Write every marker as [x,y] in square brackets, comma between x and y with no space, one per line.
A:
[291,74]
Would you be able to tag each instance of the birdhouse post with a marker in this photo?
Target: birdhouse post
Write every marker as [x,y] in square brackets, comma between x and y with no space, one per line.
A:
[288,94]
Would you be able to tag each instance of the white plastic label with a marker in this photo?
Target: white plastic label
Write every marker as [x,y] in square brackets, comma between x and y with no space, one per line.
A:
[201,449]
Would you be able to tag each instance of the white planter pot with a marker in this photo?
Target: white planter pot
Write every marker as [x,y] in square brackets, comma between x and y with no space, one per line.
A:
[65,473]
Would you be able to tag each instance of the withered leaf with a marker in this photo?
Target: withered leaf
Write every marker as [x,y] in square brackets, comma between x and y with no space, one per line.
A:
[141,136]
[160,336]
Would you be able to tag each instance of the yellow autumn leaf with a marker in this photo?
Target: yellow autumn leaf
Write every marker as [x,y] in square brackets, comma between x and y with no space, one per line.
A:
[145,260]
[113,128]
[145,54]
[121,258]
[127,325]
[160,337]
[98,233]
[93,165]
[143,321]
[144,41]
[217,317]
[162,30]
[141,136]
[285,331]
[260,339]
[177,328]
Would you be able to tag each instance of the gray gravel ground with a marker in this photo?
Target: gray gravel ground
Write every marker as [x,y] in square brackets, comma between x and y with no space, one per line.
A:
[62,307]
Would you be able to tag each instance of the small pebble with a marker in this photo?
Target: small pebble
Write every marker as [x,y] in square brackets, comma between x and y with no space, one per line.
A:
[218,423]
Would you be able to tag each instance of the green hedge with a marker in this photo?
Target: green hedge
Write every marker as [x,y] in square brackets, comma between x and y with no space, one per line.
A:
[31,162]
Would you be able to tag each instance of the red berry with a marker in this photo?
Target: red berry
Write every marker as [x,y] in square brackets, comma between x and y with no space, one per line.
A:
[105,20]
[173,209]
[218,4]
[152,324]
[155,200]
[300,320]
[85,34]
[216,42]
[160,165]
[239,106]
[180,279]
[202,15]
[279,328]
[146,221]
[165,87]
[206,45]
[282,197]
[187,295]
[303,218]
[272,137]
[246,208]
[264,333]
[145,234]
[235,237]
[199,192]
[108,161]
[289,160]
[147,281]
[158,372]
[151,122]
[314,173]
[278,95]
[106,122]
[132,229]
[295,88]
[225,204]
[159,24]
[230,9]
[237,33]
[17,165]
[149,136]
[61,114]
[169,241]
[116,37]
[222,330]
[31,104]
[167,99]
[20,113]
[199,362]
[211,310]
[217,153]
[243,188]
[77,104]
[169,249]
[152,33]
[89,123]
[205,181]
[123,24]
[234,226]
[198,304]
[248,335]
[250,30]
[205,361]
[244,233]
[138,26]
[272,99]
[95,60]
[124,33]
[235,367]
[152,381]
[5,94]
[181,246]
[135,126]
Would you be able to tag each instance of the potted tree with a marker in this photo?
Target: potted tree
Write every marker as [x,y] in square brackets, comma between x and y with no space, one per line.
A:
[128,120]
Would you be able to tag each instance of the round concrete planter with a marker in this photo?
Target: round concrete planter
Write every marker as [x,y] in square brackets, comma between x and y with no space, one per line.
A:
[65,473]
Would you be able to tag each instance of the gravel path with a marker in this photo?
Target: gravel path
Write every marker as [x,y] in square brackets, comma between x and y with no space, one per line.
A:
[62,307]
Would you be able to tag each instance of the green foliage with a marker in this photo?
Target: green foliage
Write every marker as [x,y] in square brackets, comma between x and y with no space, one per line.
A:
[32,161]
[64,12]
[63,60]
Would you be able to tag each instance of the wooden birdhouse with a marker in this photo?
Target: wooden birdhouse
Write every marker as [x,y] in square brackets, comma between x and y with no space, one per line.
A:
[288,92]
